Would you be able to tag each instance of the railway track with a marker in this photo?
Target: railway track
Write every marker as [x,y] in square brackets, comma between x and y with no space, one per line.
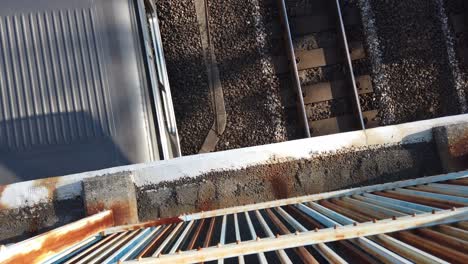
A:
[329,82]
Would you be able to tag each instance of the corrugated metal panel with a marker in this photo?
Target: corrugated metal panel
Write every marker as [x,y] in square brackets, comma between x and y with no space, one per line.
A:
[73,88]
[52,82]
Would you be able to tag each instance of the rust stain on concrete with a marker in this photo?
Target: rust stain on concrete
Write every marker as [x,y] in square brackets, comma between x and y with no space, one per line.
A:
[278,173]
[280,187]
[2,189]
[205,205]
[460,147]
[49,183]
[120,210]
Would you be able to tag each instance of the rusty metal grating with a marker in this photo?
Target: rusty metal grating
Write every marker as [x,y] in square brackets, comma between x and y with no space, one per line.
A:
[420,220]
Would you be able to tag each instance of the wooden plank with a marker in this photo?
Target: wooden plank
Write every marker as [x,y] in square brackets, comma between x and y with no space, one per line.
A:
[337,89]
[41,247]
[307,59]
[341,123]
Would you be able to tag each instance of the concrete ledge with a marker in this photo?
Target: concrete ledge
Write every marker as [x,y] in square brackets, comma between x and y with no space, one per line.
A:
[35,192]
[114,192]
[452,143]
[341,169]
[229,178]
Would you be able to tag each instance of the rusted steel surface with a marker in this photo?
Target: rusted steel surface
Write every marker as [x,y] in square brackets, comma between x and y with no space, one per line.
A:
[303,253]
[356,254]
[100,244]
[158,222]
[345,211]
[357,229]
[152,246]
[457,192]
[463,182]
[195,235]
[444,239]
[432,247]
[421,200]
[453,231]
[209,233]
[40,247]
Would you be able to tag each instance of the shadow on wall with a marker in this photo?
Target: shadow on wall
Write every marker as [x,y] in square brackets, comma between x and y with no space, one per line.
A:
[54,145]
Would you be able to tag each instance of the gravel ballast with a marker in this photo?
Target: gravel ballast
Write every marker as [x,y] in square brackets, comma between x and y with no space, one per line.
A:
[255,114]
[411,72]
[407,57]
[187,72]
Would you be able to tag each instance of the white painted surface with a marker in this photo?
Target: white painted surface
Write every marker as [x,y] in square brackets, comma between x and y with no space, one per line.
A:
[67,187]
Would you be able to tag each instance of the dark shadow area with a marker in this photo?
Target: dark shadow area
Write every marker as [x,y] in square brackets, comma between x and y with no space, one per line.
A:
[20,224]
[47,151]
[46,146]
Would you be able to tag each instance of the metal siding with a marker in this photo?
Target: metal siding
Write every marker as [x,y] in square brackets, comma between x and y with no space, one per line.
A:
[71,94]
[50,68]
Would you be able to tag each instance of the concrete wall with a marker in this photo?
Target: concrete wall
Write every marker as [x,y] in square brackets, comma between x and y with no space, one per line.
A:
[318,173]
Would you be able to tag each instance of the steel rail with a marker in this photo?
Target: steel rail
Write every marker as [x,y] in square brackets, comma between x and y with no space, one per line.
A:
[303,253]
[349,64]
[153,242]
[168,239]
[293,66]
[356,254]
[141,245]
[93,254]
[393,249]
[283,257]
[261,256]
[101,258]
[222,238]
[403,249]
[317,236]
[90,249]
[73,251]
[330,218]
[209,234]
[321,248]
[238,237]
[182,237]
[443,189]
[115,256]
[195,236]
